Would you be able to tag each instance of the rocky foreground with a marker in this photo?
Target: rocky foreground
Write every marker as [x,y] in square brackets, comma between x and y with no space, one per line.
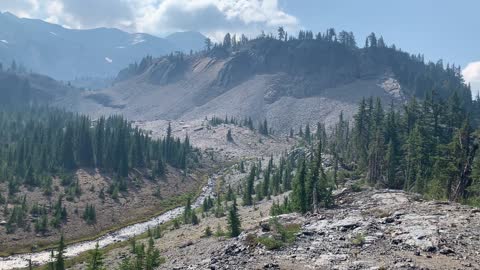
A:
[369,229]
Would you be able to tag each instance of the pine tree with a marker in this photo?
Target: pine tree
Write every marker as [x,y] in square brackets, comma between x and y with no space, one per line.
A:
[99,142]
[312,181]
[361,134]
[67,157]
[230,195]
[187,213]
[462,153]
[234,220]
[376,155]
[299,192]
[391,166]
[160,166]
[307,133]
[281,33]
[263,128]
[208,44]
[242,166]
[85,148]
[96,259]
[89,214]
[287,181]
[249,188]
[195,219]
[229,136]
[152,258]
[60,261]
[227,41]
[266,183]
[393,152]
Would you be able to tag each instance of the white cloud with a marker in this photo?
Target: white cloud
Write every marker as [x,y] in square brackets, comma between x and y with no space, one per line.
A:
[471,74]
[214,17]
[21,8]
[160,17]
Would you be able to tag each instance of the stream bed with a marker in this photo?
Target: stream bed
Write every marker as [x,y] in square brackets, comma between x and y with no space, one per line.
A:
[43,257]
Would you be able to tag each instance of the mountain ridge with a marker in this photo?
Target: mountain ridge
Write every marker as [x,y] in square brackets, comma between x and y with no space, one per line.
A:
[65,53]
[289,83]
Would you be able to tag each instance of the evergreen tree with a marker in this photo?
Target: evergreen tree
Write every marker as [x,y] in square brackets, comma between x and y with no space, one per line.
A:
[249,188]
[96,259]
[67,157]
[266,183]
[281,33]
[234,220]
[299,192]
[187,213]
[60,261]
[208,44]
[307,133]
[89,214]
[227,41]
[376,151]
[229,136]
[362,134]
[100,142]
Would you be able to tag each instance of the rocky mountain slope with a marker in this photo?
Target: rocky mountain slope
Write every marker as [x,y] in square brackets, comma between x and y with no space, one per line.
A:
[66,54]
[241,84]
[288,83]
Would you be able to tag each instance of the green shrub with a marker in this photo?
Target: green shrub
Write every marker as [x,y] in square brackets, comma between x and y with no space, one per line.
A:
[208,232]
[219,232]
[359,240]
[270,243]
[357,187]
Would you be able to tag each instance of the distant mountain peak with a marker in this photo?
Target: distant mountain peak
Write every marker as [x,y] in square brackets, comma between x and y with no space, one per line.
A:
[65,54]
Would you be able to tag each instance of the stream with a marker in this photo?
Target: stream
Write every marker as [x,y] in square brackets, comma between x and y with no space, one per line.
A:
[43,257]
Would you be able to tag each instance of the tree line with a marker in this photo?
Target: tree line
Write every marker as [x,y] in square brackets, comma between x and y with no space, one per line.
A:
[40,142]
[428,147]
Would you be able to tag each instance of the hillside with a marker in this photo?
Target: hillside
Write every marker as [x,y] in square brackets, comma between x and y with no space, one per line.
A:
[53,180]
[367,228]
[66,54]
[20,88]
[289,83]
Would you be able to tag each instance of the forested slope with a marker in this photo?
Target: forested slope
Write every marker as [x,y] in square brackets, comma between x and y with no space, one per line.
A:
[60,171]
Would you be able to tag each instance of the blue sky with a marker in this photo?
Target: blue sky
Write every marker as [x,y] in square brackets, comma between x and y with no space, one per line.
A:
[439,29]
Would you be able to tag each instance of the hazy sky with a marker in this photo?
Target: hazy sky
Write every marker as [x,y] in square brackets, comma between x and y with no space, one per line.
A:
[436,28]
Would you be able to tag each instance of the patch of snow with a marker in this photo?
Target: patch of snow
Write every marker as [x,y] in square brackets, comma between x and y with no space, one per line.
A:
[4,41]
[108,60]
[53,33]
[138,39]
